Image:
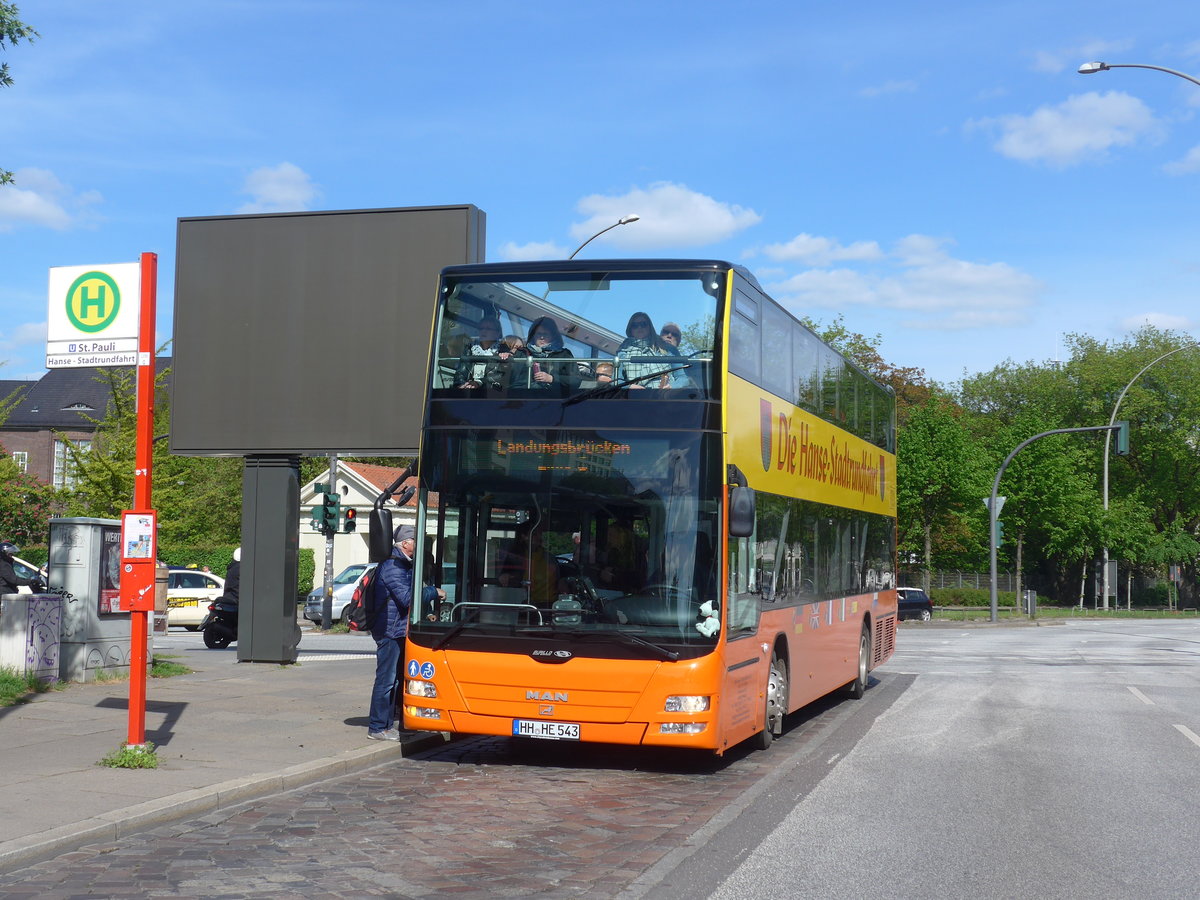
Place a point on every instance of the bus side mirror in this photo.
(741, 512)
(379, 543)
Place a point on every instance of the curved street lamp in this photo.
(1091, 68)
(1108, 442)
(624, 220)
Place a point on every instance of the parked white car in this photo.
(189, 591)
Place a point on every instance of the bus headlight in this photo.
(682, 727)
(415, 688)
(422, 712)
(685, 703)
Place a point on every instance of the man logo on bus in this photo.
(764, 426)
(93, 301)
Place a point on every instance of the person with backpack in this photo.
(391, 593)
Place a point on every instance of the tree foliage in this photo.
(12, 32)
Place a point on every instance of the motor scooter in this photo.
(220, 626)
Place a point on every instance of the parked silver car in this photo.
(343, 589)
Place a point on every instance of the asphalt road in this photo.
(1048, 762)
(985, 762)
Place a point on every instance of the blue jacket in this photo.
(392, 596)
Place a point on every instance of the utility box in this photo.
(1030, 603)
(30, 625)
(85, 569)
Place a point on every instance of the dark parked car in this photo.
(914, 603)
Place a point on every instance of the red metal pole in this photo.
(143, 469)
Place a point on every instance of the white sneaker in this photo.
(390, 735)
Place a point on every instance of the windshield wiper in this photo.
(451, 635)
(625, 637)
(602, 390)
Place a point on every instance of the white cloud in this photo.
(672, 215)
(1082, 127)
(821, 251)
(919, 275)
(29, 334)
(1165, 321)
(1186, 166)
(282, 188)
(889, 87)
(533, 250)
(833, 288)
(36, 197)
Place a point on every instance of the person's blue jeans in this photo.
(389, 657)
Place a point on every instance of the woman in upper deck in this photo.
(635, 357)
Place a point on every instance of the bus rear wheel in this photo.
(858, 686)
(776, 704)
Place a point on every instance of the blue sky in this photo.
(935, 172)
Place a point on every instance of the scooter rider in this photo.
(233, 577)
(9, 580)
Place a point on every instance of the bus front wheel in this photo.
(776, 704)
(858, 686)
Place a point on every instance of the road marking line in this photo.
(1189, 734)
(1140, 696)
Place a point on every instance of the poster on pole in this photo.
(93, 316)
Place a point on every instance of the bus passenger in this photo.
(672, 335)
(631, 362)
(474, 369)
(546, 350)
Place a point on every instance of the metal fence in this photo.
(1005, 581)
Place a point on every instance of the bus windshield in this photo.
(571, 536)
(578, 334)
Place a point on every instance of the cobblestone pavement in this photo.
(490, 817)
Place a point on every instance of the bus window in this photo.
(805, 368)
(777, 350)
(744, 350)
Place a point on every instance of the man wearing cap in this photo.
(390, 602)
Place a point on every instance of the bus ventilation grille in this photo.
(885, 641)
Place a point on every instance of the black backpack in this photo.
(360, 613)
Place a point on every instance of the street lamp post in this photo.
(1091, 68)
(624, 220)
(1107, 443)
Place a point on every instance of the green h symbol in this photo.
(88, 302)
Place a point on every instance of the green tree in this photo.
(198, 500)
(12, 32)
(940, 478)
(26, 505)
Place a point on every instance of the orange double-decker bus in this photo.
(661, 509)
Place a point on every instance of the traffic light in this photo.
(1123, 438)
(999, 532)
(331, 507)
(349, 519)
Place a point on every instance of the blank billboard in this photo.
(308, 333)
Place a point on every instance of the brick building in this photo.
(51, 413)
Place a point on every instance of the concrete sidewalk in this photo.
(225, 734)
